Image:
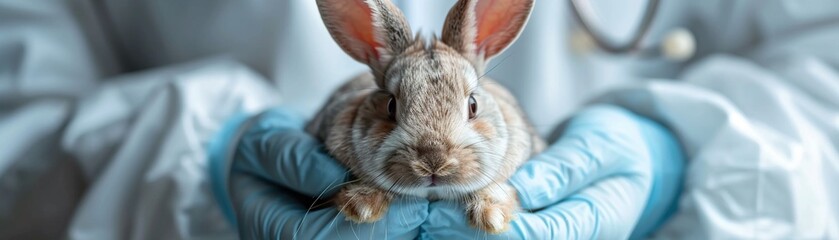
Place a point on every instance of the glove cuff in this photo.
(668, 163)
(221, 151)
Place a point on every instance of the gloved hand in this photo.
(630, 161)
(609, 169)
(276, 169)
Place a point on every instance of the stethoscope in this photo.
(677, 45)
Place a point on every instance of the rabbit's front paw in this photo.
(362, 203)
(491, 209)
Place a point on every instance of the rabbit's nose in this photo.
(421, 169)
(436, 169)
(433, 158)
(447, 167)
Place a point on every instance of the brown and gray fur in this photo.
(431, 133)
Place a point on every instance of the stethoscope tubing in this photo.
(631, 46)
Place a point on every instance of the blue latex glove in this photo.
(609, 169)
(622, 154)
(277, 168)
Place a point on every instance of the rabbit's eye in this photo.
(473, 107)
(391, 108)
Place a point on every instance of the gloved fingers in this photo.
(598, 142)
(265, 211)
(447, 220)
(276, 148)
(606, 210)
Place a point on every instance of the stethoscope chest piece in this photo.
(678, 44)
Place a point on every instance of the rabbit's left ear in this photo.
(481, 29)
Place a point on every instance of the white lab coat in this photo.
(108, 106)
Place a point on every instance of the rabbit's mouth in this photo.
(436, 181)
(437, 191)
(444, 170)
(399, 179)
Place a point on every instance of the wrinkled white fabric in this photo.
(756, 108)
(149, 161)
(763, 150)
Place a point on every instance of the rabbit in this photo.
(425, 121)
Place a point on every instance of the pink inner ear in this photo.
(363, 26)
(486, 18)
(355, 19)
(498, 23)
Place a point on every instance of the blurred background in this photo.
(107, 106)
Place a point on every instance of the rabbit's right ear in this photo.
(482, 29)
(370, 31)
